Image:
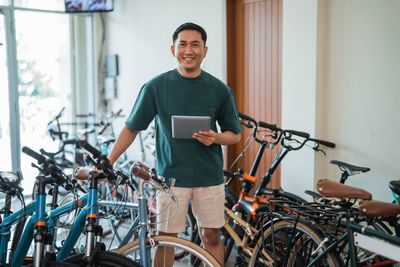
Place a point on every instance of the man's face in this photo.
(189, 50)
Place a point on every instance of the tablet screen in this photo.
(185, 126)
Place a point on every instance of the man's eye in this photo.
(182, 45)
(196, 45)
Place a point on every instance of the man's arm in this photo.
(124, 140)
(210, 137)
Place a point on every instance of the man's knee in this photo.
(210, 236)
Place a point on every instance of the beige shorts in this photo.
(207, 207)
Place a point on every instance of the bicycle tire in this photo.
(17, 234)
(231, 197)
(292, 246)
(202, 256)
(103, 259)
(56, 264)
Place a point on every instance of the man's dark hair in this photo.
(189, 26)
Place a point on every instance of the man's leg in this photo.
(170, 221)
(163, 256)
(212, 243)
(208, 208)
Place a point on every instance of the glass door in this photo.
(5, 144)
(44, 80)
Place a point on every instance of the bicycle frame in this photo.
(26, 239)
(251, 232)
(366, 238)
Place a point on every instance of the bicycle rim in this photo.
(286, 245)
(195, 255)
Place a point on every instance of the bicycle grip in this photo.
(95, 152)
(301, 134)
(142, 166)
(82, 173)
(34, 154)
(272, 127)
(323, 142)
(247, 118)
(137, 171)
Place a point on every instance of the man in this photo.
(197, 163)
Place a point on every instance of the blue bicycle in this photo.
(40, 226)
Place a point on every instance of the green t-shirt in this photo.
(190, 162)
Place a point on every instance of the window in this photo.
(5, 158)
(54, 5)
(44, 78)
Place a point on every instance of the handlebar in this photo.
(48, 167)
(57, 116)
(323, 142)
(272, 127)
(40, 159)
(301, 134)
(247, 118)
(281, 135)
(137, 171)
(94, 151)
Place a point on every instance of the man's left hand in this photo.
(206, 137)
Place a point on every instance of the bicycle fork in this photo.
(42, 236)
(143, 213)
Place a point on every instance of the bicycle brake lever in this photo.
(37, 167)
(319, 150)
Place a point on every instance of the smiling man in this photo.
(196, 163)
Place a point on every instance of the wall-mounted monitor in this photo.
(76, 6)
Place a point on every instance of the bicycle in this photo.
(35, 227)
(245, 214)
(95, 253)
(143, 248)
(284, 241)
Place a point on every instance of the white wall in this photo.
(352, 95)
(140, 32)
(299, 42)
(360, 90)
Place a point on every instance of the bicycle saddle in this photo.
(375, 208)
(395, 186)
(348, 168)
(329, 188)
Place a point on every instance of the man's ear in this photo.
(205, 51)
(173, 50)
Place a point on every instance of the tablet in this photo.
(185, 126)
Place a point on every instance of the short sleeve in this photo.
(143, 110)
(228, 117)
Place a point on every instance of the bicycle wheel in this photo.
(64, 224)
(194, 255)
(231, 199)
(103, 259)
(286, 243)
